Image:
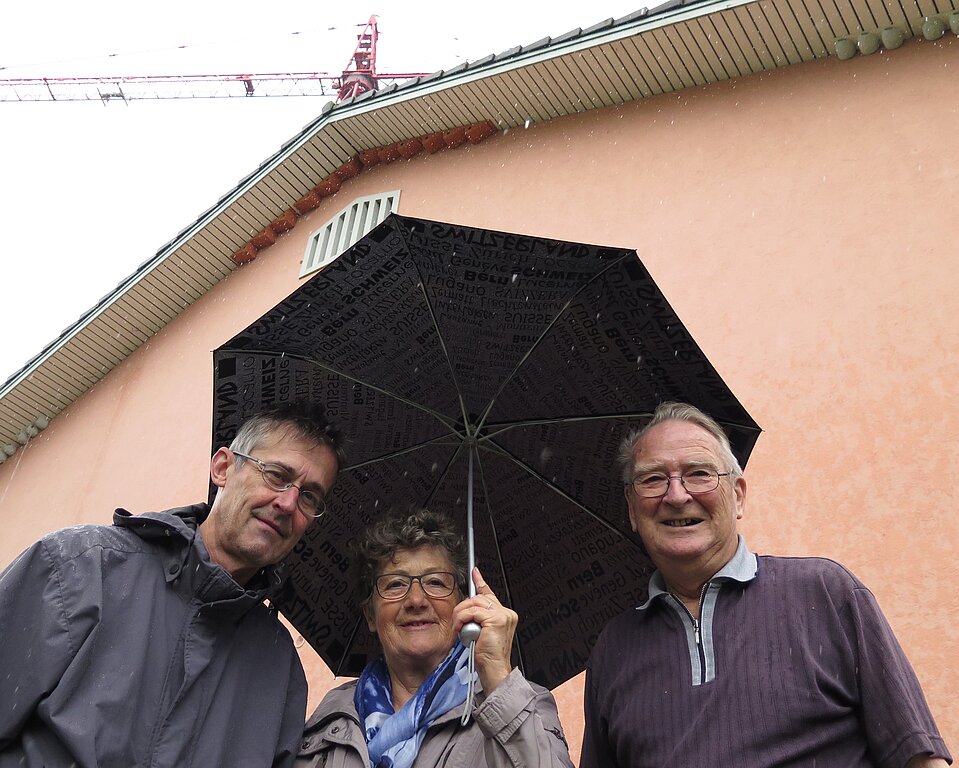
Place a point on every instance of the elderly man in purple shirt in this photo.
(737, 659)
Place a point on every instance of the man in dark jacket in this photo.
(147, 642)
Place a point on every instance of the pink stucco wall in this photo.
(803, 225)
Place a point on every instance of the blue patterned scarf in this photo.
(393, 738)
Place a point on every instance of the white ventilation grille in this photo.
(344, 229)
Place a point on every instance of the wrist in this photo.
(491, 678)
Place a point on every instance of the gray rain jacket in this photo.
(516, 726)
(125, 645)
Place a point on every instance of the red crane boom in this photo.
(359, 76)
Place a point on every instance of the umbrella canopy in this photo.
(427, 341)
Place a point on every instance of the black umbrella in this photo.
(432, 343)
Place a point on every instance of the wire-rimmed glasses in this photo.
(396, 586)
(277, 478)
(651, 485)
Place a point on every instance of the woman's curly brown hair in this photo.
(408, 529)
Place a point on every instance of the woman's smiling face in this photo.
(416, 632)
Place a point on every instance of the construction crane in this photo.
(358, 76)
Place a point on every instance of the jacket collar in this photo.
(335, 721)
(742, 567)
(186, 561)
(337, 702)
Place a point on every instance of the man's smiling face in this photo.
(678, 526)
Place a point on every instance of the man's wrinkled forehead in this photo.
(698, 444)
(286, 433)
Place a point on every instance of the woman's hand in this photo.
(498, 625)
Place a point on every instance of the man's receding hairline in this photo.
(673, 420)
(292, 431)
(717, 449)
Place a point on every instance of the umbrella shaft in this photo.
(470, 549)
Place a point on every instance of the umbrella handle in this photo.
(470, 676)
(469, 633)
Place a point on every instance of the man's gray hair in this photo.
(678, 412)
(304, 419)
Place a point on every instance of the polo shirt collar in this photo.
(742, 567)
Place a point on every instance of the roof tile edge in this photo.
(430, 143)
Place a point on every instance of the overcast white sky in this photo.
(89, 192)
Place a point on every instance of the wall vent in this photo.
(344, 229)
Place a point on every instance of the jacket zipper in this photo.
(696, 633)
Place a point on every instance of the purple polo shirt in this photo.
(791, 664)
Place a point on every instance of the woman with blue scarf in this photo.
(405, 710)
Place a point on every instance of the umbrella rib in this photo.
(446, 470)
(545, 332)
(504, 452)
(443, 419)
(442, 341)
(499, 556)
(504, 426)
(407, 449)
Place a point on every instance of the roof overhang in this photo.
(674, 47)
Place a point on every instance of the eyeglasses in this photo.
(277, 478)
(396, 586)
(654, 484)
